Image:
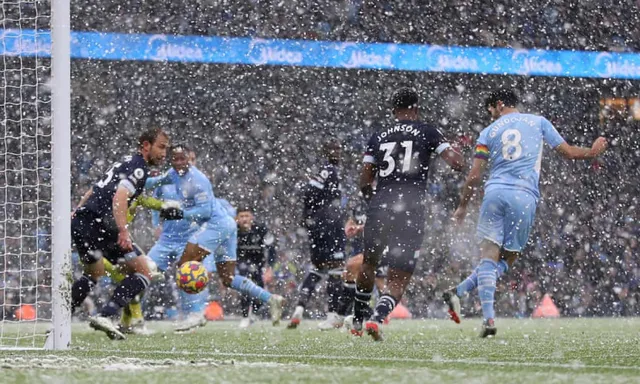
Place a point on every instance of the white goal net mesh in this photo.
(25, 174)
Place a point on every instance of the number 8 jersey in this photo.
(513, 147)
(131, 173)
(401, 155)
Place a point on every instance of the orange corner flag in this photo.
(546, 309)
(400, 312)
(214, 311)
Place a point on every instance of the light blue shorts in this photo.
(506, 218)
(164, 254)
(220, 239)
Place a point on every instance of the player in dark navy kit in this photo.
(255, 246)
(324, 220)
(399, 156)
(99, 229)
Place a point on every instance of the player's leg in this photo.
(519, 212)
(335, 242)
(491, 229)
(352, 268)
(137, 280)
(335, 290)
(225, 238)
(193, 306)
(313, 277)
(244, 269)
(132, 318)
(375, 241)
(405, 239)
(251, 306)
(85, 240)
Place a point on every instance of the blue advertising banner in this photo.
(384, 56)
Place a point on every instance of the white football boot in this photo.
(193, 321)
(333, 321)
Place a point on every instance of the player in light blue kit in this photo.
(512, 147)
(217, 234)
(188, 187)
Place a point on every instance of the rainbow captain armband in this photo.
(482, 152)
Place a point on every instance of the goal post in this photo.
(60, 336)
(35, 175)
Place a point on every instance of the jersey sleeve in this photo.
(370, 151)
(437, 141)
(550, 134)
(482, 147)
(203, 198)
(133, 176)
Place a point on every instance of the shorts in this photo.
(95, 238)
(506, 218)
(220, 239)
(327, 243)
(164, 254)
(399, 234)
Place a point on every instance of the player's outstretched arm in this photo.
(572, 152)
(453, 158)
(471, 184)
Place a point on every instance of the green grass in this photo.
(535, 351)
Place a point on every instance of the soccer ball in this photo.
(192, 277)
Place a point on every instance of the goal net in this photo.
(31, 273)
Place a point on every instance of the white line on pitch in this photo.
(435, 360)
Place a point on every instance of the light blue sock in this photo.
(471, 282)
(487, 277)
(248, 287)
(193, 303)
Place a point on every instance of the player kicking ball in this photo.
(399, 156)
(218, 236)
(512, 149)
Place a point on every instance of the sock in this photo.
(385, 305)
(136, 311)
(361, 307)
(245, 304)
(132, 312)
(125, 318)
(80, 290)
(487, 276)
(248, 287)
(471, 282)
(129, 288)
(195, 303)
(348, 294)
(308, 286)
(334, 291)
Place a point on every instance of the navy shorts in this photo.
(327, 243)
(95, 238)
(396, 235)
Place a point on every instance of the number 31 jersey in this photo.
(513, 147)
(401, 155)
(131, 173)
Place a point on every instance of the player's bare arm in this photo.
(471, 184)
(367, 177)
(572, 152)
(120, 207)
(453, 158)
